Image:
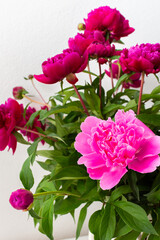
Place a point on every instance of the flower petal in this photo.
(89, 123)
(111, 177)
(81, 143)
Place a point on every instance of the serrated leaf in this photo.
(134, 216)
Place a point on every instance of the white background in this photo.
(30, 32)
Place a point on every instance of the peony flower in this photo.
(141, 58)
(102, 51)
(108, 20)
(109, 148)
(21, 199)
(60, 66)
(36, 124)
(10, 117)
(134, 80)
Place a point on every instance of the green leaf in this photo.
(130, 236)
(81, 219)
(32, 117)
(34, 214)
(122, 229)
(134, 216)
(123, 78)
(91, 73)
(156, 90)
(108, 223)
(132, 179)
(47, 217)
(93, 101)
(152, 119)
(111, 107)
(26, 175)
(32, 150)
(71, 172)
(130, 105)
(67, 205)
(118, 192)
(20, 138)
(156, 226)
(94, 223)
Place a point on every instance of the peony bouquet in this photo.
(100, 143)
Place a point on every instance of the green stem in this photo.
(140, 93)
(90, 77)
(59, 193)
(37, 133)
(32, 100)
(111, 73)
(38, 92)
(81, 100)
(100, 84)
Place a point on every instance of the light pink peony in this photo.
(108, 20)
(10, 117)
(60, 66)
(109, 147)
(141, 58)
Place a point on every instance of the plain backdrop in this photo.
(30, 32)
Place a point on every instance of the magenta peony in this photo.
(141, 58)
(108, 20)
(31, 136)
(134, 80)
(10, 117)
(109, 147)
(21, 199)
(60, 66)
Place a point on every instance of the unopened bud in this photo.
(21, 199)
(81, 26)
(18, 92)
(71, 78)
(30, 76)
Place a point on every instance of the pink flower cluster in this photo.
(93, 43)
(141, 58)
(109, 147)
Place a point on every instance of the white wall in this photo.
(30, 32)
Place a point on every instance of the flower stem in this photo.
(37, 133)
(38, 91)
(81, 100)
(140, 93)
(59, 193)
(90, 77)
(111, 73)
(100, 84)
(32, 100)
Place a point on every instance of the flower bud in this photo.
(21, 199)
(81, 26)
(18, 92)
(71, 78)
(30, 76)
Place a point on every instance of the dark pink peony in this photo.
(21, 199)
(141, 58)
(108, 20)
(60, 66)
(134, 80)
(109, 147)
(36, 124)
(10, 117)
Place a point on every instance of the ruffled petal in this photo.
(89, 123)
(92, 160)
(4, 138)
